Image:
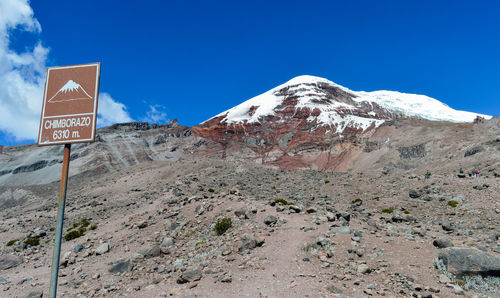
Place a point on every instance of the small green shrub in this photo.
(73, 234)
(82, 230)
(223, 225)
(387, 210)
(453, 204)
(85, 223)
(52, 229)
(357, 200)
(211, 190)
(32, 241)
(200, 243)
(93, 227)
(11, 242)
(406, 212)
(283, 201)
(327, 181)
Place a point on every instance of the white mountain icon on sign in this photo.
(70, 91)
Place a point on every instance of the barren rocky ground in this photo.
(150, 232)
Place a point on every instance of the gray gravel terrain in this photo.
(293, 233)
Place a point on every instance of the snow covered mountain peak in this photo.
(337, 106)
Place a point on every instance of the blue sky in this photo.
(191, 60)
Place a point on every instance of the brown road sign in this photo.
(69, 104)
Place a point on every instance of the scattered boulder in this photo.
(167, 242)
(120, 266)
(344, 215)
(363, 269)
(78, 248)
(9, 261)
(242, 213)
(397, 218)
(189, 276)
(446, 225)
(111, 282)
(330, 216)
(142, 224)
(102, 249)
(270, 220)
(38, 233)
(200, 209)
(311, 209)
(417, 193)
(341, 230)
(473, 151)
(248, 243)
(442, 243)
(460, 261)
(35, 294)
(151, 252)
(170, 225)
(481, 187)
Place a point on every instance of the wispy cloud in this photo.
(111, 111)
(22, 78)
(156, 114)
(21, 74)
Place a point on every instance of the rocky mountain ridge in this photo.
(397, 145)
(116, 147)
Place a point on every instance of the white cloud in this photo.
(21, 74)
(17, 13)
(156, 114)
(111, 111)
(22, 78)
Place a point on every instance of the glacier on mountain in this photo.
(310, 95)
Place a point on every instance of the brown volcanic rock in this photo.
(295, 136)
(313, 123)
(310, 122)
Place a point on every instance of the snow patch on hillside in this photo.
(416, 105)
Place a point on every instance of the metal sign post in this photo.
(69, 114)
(60, 219)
